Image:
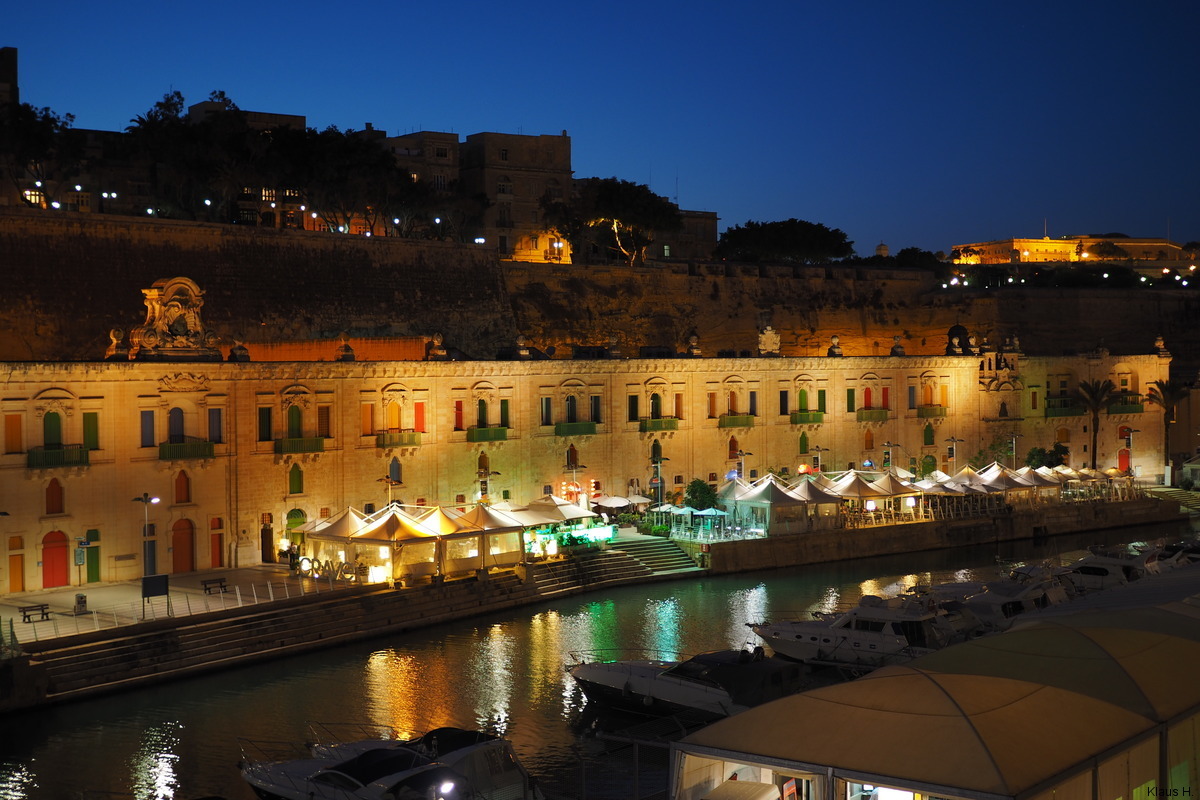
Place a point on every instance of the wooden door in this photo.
(55, 560)
(183, 547)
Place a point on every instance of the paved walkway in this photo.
(110, 605)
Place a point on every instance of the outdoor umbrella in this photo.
(638, 499)
(853, 485)
(608, 501)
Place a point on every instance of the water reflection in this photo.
(746, 606)
(152, 767)
(661, 627)
(17, 781)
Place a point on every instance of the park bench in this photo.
(27, 612)
(214, 585)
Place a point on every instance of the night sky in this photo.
(923, 124)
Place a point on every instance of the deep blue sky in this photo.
(923, 124)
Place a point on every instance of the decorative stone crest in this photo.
(55, 404)
(768, 342)
(173, 330)
(835, 349)
(183, 382)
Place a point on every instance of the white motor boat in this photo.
(876, 632)
(443, 764)
(1106, 567)
(714, 684)
(1028, 588)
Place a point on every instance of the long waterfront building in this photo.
(238, 451)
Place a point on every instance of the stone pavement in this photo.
(110, 605)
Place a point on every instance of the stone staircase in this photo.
(658, 554)
(1188, 500)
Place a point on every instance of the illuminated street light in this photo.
(1014, 436)
(741, 454)
(389, 481)
(816, 448)
(952, 441)
(146, 500)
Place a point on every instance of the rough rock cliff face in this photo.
(69, 279)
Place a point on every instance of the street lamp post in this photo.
(1014, 436)
(888, 457)
(952, 441)
(656, 478)
(146, 500)
(741, 455)
(1129, 447)
(816, 448)
(389, 481)
(483, 475)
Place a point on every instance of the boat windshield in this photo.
(370, 766)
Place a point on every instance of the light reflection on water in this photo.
(502, 671)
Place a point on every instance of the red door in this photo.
(1123, 459)
(55, 552)
(216, 555)
(183, 547)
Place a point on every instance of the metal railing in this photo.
(306, 444)
(63, 455)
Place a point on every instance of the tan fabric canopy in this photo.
(977, 733)
(490, 519)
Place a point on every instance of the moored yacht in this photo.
(714, 684)
(876, 632)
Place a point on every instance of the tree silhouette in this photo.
(1167, 395)
(1094, 396)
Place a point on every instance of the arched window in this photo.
(393, 416)
(183, 488)
(175, 426)
(394, 471)
(54, 497)
(804, 444)
(733, 447)
(927, 394)
(572, 458)
(483, 463)
(572, 408)
(927, 438)
(295, 422)
(655, 406)
(295, 480)
(52, 430)
(656, 451)
(803, 401)
(481, 415)
(869, 440)
(1003, 409)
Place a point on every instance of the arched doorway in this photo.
(295, 518)
(183, 546)
(55, 552)
(928, 464)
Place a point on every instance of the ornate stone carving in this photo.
(56, 404)
(768, 341)
(173, 330)
(183, 382)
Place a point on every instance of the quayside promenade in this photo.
(124, 641)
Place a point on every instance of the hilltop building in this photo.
(1069, 249)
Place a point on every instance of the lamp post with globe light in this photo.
(147, 551)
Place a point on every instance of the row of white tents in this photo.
(404, 542)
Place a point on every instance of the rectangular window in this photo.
(712, 405)
(419, 417)
(633, 415)
(945, 395)
(1033, 401)
(849, 401)
(323, 429)
(783, 402)
(91, 430)
(216, 426)
(546, 411)
(666, 251)
(753, 403)
(265, 428)
(366, 419)
(594, 410)
(886, 401)
(912, 397)
(504, 413)
(679, 405)
(821, 400)
(147, 429)
(12, 433)
(458, 415)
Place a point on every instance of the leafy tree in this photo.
(699, 495)
(1108, 250)
(916, 258)
(790, 241)
(623, 216)
(1094, 396)
(37, 144)
(1041, 457)
(1167, 395)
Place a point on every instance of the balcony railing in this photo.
(398, 439)
(1126, 404)
(872, 414)
(927, 412)
(307, 444)
(574, 428)
(488, 434)
(63, 455)
(807, 417)
(1064, 407)
(647, 425)
(191, 448)
(735, 421)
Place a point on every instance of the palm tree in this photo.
(1168, 395)
(1094, 396)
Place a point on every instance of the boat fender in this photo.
(626, 690)
(647, 701)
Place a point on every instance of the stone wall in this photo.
(69, 278)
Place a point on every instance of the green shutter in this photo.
(91, 430)
(849, 400)
(264, 424)
(820, 401)
(504, 413)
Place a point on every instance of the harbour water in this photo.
(504, 672)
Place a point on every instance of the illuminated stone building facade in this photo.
(1066, 249)
(239, 449)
